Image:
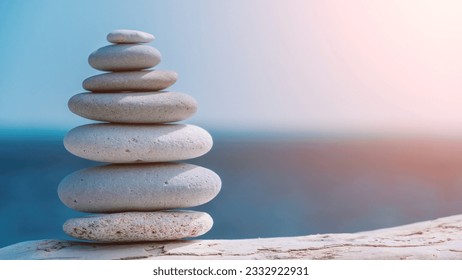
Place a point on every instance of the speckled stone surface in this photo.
(438, 239)
(146, 107)
(140, 187)
(139, 226)
(119, 143)
(138, 196)
(125, 57)
(124, 36)
(131, 81)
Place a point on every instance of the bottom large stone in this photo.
(139, 226)
(437, 239)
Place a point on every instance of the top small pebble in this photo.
(126, 36)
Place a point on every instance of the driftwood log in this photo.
(436, 239)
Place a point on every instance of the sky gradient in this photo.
(310, 66)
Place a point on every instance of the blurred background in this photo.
(327, 116)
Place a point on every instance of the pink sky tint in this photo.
(369, 65)
(308, 65)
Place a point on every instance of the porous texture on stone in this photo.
(139, 226)
(146, 107)
(140, 187)
(430, 240)
(124, 143)
(126, 57)
(145, 80)
(127, 36)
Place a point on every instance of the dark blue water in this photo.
(270, 188)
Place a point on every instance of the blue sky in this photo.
(377, 66)
(45, 48)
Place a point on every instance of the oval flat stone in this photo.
(139, 226)
(126, 57)
(131, 81)
(125, 143)
(138, 187)
(149, 107)
(127, 36)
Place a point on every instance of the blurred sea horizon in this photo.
(355, 107)
(274, 184)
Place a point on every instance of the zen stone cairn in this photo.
(136, 197)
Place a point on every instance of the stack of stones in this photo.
(135, 196)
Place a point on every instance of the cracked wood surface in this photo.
(436, 239)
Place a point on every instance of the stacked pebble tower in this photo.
(135, 197)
